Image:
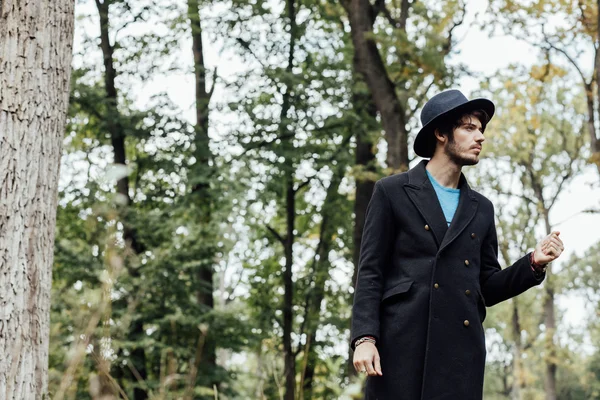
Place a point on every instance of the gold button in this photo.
(473, 235)
(466, 323)
(436, 286)
(467, 292)
(467, 263)
(426, 227)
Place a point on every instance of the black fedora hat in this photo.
(441, 106)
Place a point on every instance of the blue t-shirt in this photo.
(447, 197)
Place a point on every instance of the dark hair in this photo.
(449, 124)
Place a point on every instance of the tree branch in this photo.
(448, 45)
(276, 234)
(568, 57)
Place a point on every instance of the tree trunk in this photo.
(517, 383)
(550, 324)
(290, 215)
(370, 65)
(117, 135)
(35, 68)
(320, 272)
(200, 175)
(365, 160)
(549, 311)
(594, 142)
(550, 347)
(549, 319)
(290, 357)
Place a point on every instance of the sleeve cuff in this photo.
(353, 343)
(539, 270)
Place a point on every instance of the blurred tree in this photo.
(536, 145)
(294, 140)
(401, 56)
(583, 277)
(202, 172)
(36, 52)
(569, 29)
(156, 334)
(114, 124)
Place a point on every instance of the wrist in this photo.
(364, 339)
(537, 267)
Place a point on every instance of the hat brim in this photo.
(424, 145)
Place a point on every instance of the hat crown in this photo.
(442, 103)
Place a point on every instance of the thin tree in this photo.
(201, 173)
(117, 134)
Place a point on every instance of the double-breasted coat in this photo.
(423, 287)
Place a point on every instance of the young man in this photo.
(429, 266)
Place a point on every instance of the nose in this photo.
(479, 138)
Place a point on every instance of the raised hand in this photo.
(548, 249)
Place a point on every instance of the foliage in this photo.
(282, 175)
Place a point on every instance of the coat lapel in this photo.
(466, 210)
(422, 194)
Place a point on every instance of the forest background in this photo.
(217, 164)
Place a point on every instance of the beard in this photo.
(453, 151)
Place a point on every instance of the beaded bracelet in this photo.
(364, 339)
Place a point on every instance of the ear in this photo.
(439, 137)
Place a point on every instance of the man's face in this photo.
(464, 146)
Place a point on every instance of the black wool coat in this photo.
(423, 287)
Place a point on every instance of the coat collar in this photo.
(421, 192)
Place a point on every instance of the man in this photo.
(429, 266)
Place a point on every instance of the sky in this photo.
(483, 54)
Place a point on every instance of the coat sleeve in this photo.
(499, 284)
(374, 253)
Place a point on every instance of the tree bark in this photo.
(35, 68)
(117, 135)
(370, 65)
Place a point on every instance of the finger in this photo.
(359, 366)
(557, 244)
(378, 366)
(362, 367)
(553, 251)
(370, 369)
(552, 244)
